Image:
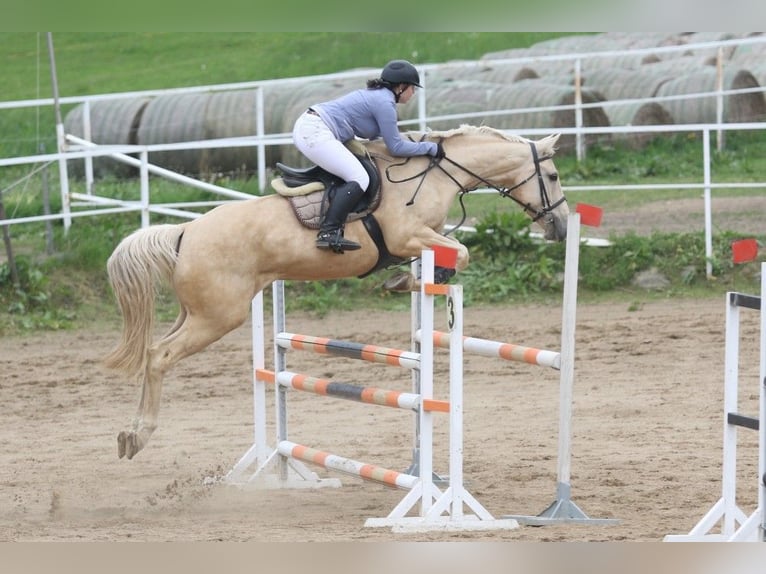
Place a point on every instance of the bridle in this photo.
(536, 214)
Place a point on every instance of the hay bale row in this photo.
(638, 114)
(111, 122)
(471, 97)
(452, 90)
(482, 72)
(621, 84)
(748, 107)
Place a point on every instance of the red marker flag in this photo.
(589, 214)
(744, 250)
(445, 256)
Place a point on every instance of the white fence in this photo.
(90, 204)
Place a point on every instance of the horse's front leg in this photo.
(405, 282)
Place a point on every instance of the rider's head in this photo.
(400, 72)
(400, 77)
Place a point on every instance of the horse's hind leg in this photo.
(191, 336)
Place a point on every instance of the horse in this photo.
(217, 263)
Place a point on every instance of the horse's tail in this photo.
(138, 267)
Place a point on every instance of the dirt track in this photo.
(646, 448)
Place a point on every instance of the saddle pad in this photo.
(308, 208)
(282, 189)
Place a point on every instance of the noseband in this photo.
(547, 206)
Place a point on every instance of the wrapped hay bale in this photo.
(745, 50)
(638, 114)
(625, 61)
(523, 94)
(681, 64)
(229, 115)
(621, 84)
(463, 97)
(711, 53)
(638, 40)
(483, 72)
(112, 122)
(540, 66)
(746, 107)
(593, 43)
(176, 118)
(758, 69)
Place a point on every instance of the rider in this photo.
(321, 131)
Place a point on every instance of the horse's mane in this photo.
(545, 146)
(466, 129)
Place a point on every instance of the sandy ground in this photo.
(647, 431)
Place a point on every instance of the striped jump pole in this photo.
(348, 466)
(506, 351)
(369, 395)
(349, 349)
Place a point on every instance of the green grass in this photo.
(94, 63)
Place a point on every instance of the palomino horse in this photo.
(217, 263)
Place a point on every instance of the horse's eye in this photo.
(554, 177)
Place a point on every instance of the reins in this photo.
(537, 214)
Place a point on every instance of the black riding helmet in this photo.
(400, 72)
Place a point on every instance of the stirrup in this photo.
(335, 241)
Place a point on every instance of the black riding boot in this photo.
(330, 234)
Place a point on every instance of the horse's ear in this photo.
(548, 144)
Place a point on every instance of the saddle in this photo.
(310, 190)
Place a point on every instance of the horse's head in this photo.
(516, 167)
(537, 187)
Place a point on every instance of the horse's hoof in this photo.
(401, 283)
(127, 445)
(121, 438)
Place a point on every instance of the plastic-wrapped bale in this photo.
(639, 40)
(593, 44)
(536, 93)
(752, 60)
(744, 107)
(540, 65)
(712, 52)
(460, 97)
(744, 50)
(176, 118)
(637, 114)
(112, 122)
(484, 72)
(230, 115)
(754, 64)
(621, 84)
(523, 94)
(626, 61)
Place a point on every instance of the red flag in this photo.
(445, 256)
(744, 250)
(589, 214)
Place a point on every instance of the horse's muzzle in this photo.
(555, 227)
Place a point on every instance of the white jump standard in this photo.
(726, 521)
(453, 508)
